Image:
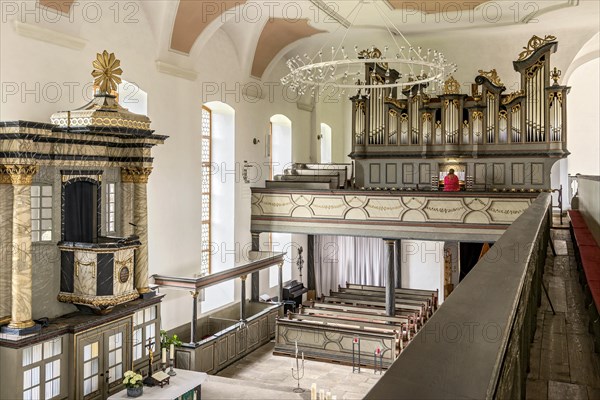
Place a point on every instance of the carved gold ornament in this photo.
(492, 76)
(513, 96)
(135, 175)
(555, 75)
(535, 43)
(17, 174)
(451, 86)
(106, 72)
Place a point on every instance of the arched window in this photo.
(280, 159)
(325, 139)
(218, 200)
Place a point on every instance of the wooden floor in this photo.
(563, 364)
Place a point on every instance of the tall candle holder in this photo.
(298, 373)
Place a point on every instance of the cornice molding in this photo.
(174, 70)
(49, 36)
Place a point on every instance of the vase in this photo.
(135, 392)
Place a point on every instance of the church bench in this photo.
(362, 316)
(587, 254)
(334, 343)
(407, 297)
(433, 293)
(409, 314)
(418, 309)
(356, 323)
(339, 174)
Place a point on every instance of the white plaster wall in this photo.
(584, 120)
(423, 265)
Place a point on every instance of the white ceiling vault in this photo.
(266, 32)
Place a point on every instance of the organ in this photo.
(495, 134)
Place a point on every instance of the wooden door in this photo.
(103, 356)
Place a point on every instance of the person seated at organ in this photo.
(451, 183)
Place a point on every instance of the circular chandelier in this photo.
(404, 67)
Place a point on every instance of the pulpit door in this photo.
(102, 359)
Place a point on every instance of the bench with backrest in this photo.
(367, 294)
(416, 308)
(587, 254)
(432, 293)
(334, 342)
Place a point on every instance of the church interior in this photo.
(299, 199)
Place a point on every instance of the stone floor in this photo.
(261, 375)
(563, 364)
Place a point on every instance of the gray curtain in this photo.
(341, 259)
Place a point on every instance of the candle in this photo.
(292, 363)
(302, 356)
(313, 391)
(322, 394)
(172, 350)
(328, 396)
(334, 397)
(296, 343)
(164, 355)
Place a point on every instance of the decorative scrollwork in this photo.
(509, 98)
(535, 43)
(492, 76)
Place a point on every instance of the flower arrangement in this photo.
(132, 380)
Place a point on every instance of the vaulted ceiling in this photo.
(265, 31)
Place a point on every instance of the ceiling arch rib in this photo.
(62, 6)
(276, 35)
(193, 17)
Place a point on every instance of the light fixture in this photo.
(405, 66)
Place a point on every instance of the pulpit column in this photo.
(139, 178)
(390, 292)
(243, 298)
(21, 177)
(6, 195)
(255, 288)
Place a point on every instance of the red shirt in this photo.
(451, 183)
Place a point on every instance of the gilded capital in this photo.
(17, 174)
(135, 174)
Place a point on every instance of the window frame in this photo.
(40, 210)
(205, 245)
(41, 364)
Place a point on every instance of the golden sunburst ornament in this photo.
(106, 72)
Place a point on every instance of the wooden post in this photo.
(390, 292)
(194, 316)
(243, 298)
(255, 282)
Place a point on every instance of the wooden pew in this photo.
(406, 323)
(423, 300)
(433, 293)
(334, 343)
(339, 174)
(357, 323)
(368, 304)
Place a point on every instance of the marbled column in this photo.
(21, 314)
(390, 292)
(139, 178)
(6, 196)
(255, 288)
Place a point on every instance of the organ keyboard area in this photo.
(415, 120)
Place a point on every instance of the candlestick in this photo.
(172, 352)
(313, 391)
